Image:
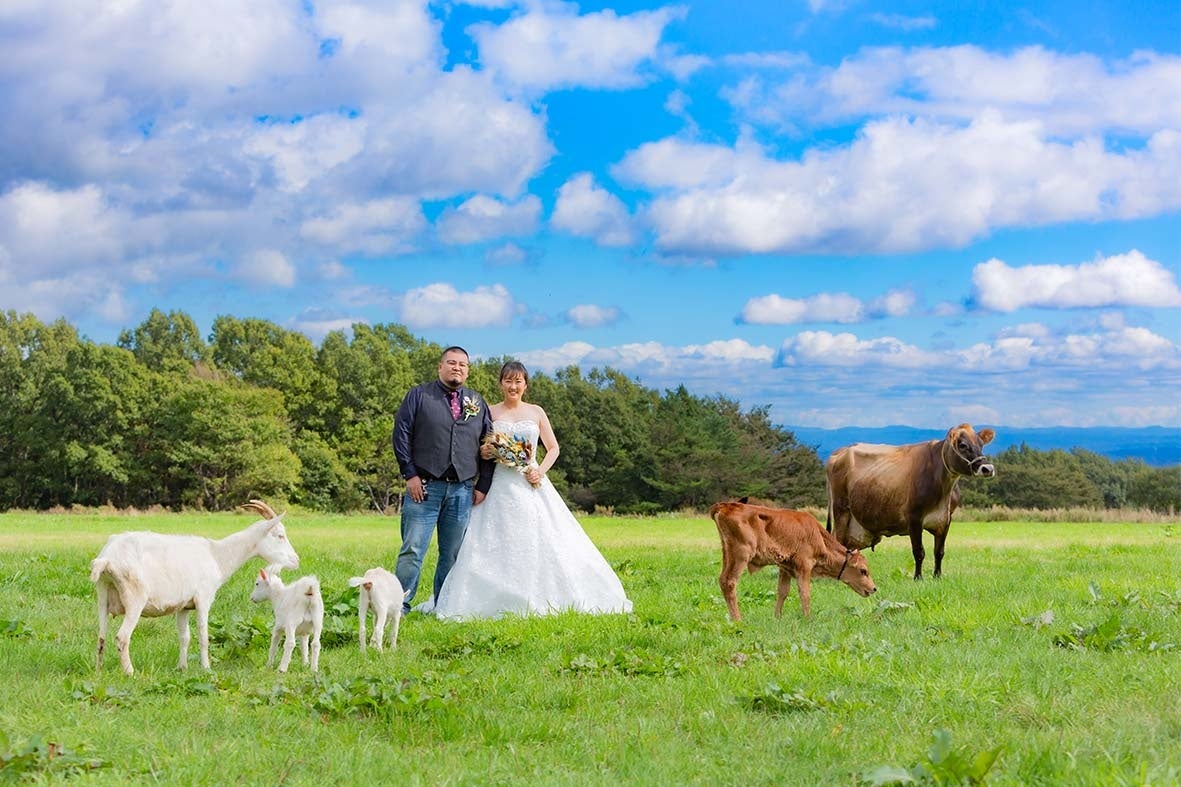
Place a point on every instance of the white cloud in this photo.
(508, 254)
(589, 315)
(376, 227)
(267, 267)
(440, 305)
(552, 47)
(585, 209)
(901, 185)
(1066, 94)
(1121, 280)
(825, 307)
(483, 218)
(55, 231)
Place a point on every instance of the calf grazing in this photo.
(381, 590)
(151, 575)
(756, 536)
(886, 490)
(299, 612)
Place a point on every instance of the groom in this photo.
(437, 436)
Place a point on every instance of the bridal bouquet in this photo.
(512, 450)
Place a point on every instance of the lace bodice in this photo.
(526, 429)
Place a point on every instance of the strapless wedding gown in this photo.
(526, 554)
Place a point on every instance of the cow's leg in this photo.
(916, 547)
(784, 589)
(804, 580)
(728, 580)
(940, 540)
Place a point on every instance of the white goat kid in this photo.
(152, 575)
(381, 590)
(299, 612)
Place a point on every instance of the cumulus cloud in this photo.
(837, 307)
(589, 315)
(900, 185)
(483, 218)
(267, 267)
(589, 211)
(552, 46)
(1066, 94)
(375, 227)
(441, 305)
(1121, 280)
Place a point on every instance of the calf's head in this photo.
(963, 451)
(855, 573)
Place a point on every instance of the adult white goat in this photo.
(381, 590)
(299, 612)
(151, 575)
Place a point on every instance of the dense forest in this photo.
(166, 417)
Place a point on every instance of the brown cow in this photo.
(756, 536)
(885, 490)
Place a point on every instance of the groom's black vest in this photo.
(442, 442)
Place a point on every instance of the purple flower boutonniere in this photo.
(471, 406)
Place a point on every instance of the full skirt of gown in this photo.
(526, 554)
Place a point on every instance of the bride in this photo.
(524, 552)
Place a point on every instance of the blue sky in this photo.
(855, 213)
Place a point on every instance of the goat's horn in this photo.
(260, 507)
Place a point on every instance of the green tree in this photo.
(1028, 478)
(166, 342)
(1157, 489)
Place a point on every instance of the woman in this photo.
(524, 552)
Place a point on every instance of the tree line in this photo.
(166, 417)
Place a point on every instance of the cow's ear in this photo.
(986, 436)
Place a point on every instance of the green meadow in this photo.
(1047, 654)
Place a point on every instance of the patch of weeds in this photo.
(1040, 621)
(1110, 635)
(234, 637)
(13, 579)
(376, 696)
(943, 764)
(777, 700)
(885, 607)
(15, 629)
(466, 644)
(628, 662)
(201, 685)
(340, 619)
(758, 652)
(85, 691)
(277, 695)
(35, 758)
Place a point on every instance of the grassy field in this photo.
(1053, 647)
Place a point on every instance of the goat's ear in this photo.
(354, 581)
(262, 572)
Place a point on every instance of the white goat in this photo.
(152, 575)
(299, 612)
(381, 590)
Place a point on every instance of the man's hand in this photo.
(487, 451)
(477, 497)
(415, 489)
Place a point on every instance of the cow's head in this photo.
(855, 573)
(963, 451)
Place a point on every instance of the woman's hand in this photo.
(487, 451)
(534, 475)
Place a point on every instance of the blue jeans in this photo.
(447, 506)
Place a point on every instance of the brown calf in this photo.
(756, 536)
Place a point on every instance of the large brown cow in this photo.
(756, 536)
(886, 490)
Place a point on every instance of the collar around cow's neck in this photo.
(848, 552)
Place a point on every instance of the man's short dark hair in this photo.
(455, 348)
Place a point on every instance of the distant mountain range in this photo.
(1155, 445)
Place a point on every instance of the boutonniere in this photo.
(471, 406)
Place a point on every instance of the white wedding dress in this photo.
(526, 554)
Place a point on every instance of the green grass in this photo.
(1054, 644)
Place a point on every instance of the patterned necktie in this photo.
(453, 396)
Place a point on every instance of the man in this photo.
(437, 436)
